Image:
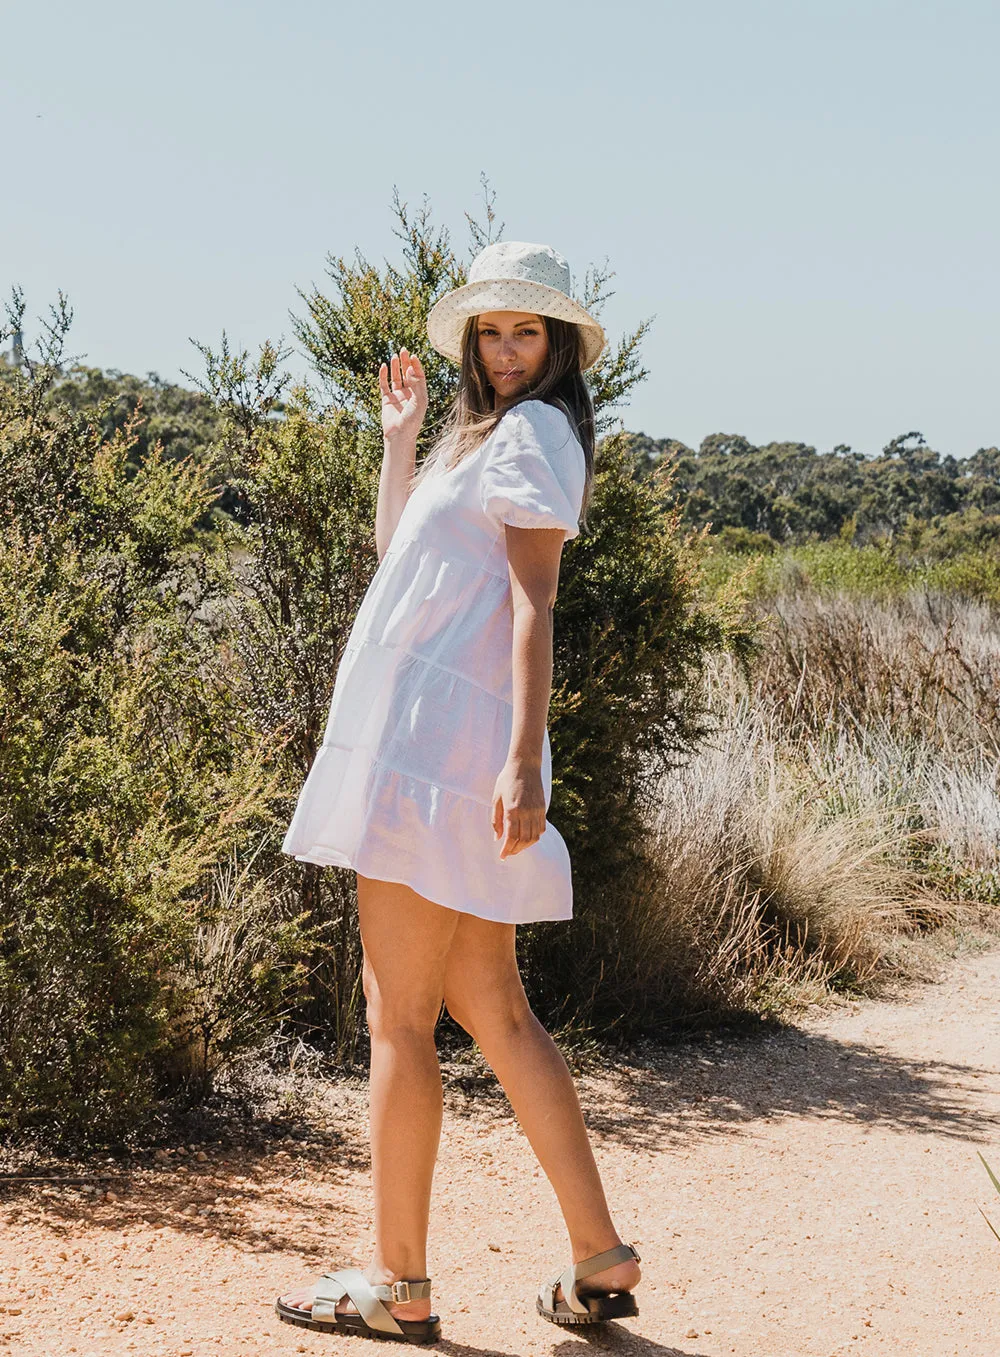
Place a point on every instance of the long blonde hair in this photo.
(471, 417)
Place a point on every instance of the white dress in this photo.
(421, 716)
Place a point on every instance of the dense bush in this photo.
(128, 769)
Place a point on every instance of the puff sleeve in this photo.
(534, 472)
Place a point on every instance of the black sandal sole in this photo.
(620, 1306)
(414, 1330)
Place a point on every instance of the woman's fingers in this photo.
(400, 381)
(523, 828)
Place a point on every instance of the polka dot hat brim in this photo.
(512, 276)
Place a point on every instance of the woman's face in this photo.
(514, 348)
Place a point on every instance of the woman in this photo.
(436, 751)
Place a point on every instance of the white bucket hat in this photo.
(512, 275)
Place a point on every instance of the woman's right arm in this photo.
(404, 404)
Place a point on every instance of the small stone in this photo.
(494, 1248)
(201, 1157)
(162, 1157)
(691, 1333)
(123, 1316)
(110, 1196)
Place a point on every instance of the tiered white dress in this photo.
(420, 721)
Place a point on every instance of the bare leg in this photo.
(483, 992)
(406, 940)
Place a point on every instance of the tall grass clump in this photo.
(845, 803)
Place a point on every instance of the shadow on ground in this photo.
(667, 1096)
(616, 1338)
(278, 1194)
(605, 1338)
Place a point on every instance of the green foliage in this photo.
(878, 570)
(149, 413)
(128, 768)
(166, 670)
(236, 970)
(296, 566)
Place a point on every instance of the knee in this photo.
(492, 1017)
(401, 1017)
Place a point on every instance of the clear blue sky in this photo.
(803, 193)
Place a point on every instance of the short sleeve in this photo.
(534, 472)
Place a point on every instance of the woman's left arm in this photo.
(533, 557)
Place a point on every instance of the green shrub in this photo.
(128, 769)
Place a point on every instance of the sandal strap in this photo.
(352, 1283)
(576, 1272)
(403, 1291)
(621, 1253)
(567, 1280)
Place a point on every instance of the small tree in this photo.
(631, 634)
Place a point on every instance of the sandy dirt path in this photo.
(809, 1192)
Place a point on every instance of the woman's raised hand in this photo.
(404, 396)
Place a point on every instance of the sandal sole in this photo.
(353, 1326)
(622, 1306)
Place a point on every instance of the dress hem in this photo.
(340, 861)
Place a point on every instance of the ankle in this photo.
(590, 1246)
(382, 1275)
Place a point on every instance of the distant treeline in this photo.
(791, 493)
(778, 493)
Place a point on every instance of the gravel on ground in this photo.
(810, 1192)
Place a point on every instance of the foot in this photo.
(622, 1277)
(302, 1299)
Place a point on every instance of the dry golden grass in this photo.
(847, 801)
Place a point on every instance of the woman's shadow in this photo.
(599, 1337)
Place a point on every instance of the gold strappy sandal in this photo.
(373, 1319)
(592, 1308)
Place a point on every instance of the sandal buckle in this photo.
(401, 1291)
